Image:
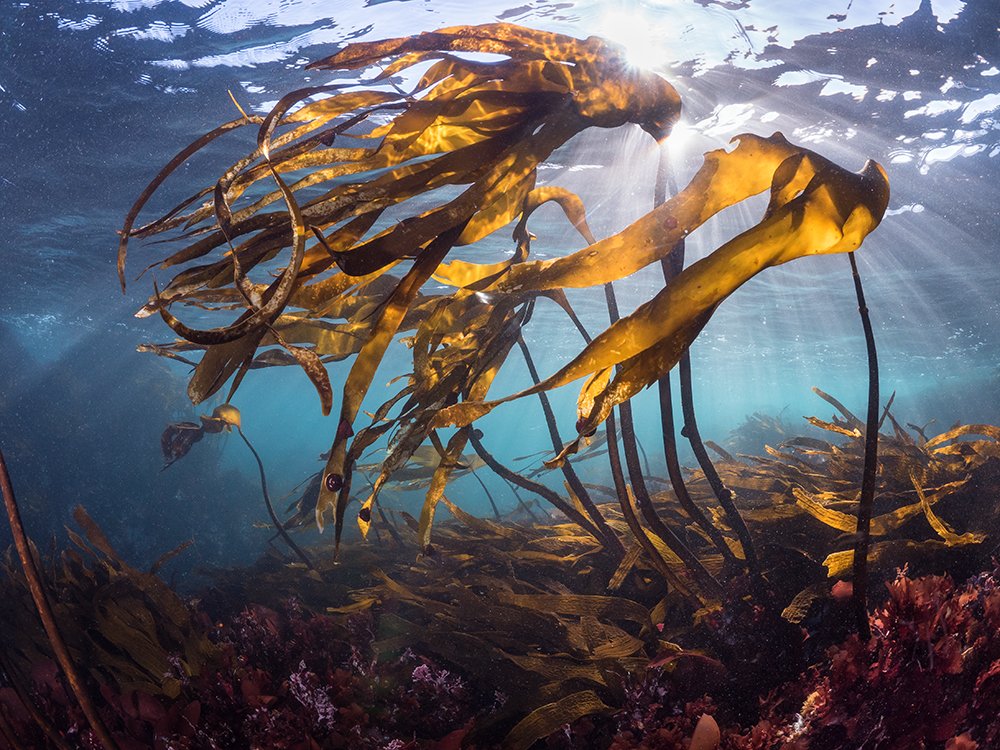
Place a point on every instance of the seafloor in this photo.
(830, 590)
(524, 632)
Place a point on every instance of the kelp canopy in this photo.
(337, 165)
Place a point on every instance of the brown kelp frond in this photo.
(479, 128)
(485, 126)
(831, 211)
(324, 243)
(916, 488)
(178, 437)
(128, 628)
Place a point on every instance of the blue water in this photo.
(96, 95)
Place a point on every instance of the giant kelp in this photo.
(384, 181)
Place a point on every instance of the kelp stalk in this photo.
(489, 495)
(609, 538)
(618, 477)
(539, 489)
(37, 589)
(643, 500)
(722, 492)
(677, 478)
(270, 509)
(671, 266)
(867, 500)
(621, 490)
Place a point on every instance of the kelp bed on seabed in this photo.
(525, 630)
(726, 611)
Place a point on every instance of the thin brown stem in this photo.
(670, 266)
(270, 509)
(866, 502)
(624, 501)
(37, 589)
(676, 476)
(489, 495)
(643, 500)
(722, 492)
(611, 539)
(520, 501)
(539, 489)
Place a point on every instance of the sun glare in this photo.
(637, 34)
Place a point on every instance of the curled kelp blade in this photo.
(482, 125)
(816, 207)
(170, 167)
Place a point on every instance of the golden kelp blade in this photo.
(335, 492)
(463, 274)
(726, 177)
(816, 207)
(482, 125)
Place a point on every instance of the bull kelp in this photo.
(641, 611)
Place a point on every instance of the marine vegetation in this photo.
(518, 633)
(457, 160)
(610, 614)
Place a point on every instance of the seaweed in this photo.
(466, 141)
(527, 632)
(330, 241)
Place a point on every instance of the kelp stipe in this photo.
(40, 598)
(866, 498)
(178, 438)
(480, 129)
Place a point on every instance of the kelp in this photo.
(125, 627)
(866, 497)
(816, 207)
(537, 606)
(916, 488)
(40, 598)
(178, 438)
(455, 161)
(537, 610)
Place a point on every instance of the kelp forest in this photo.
(796, 599)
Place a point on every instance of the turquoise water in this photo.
(96, 96)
